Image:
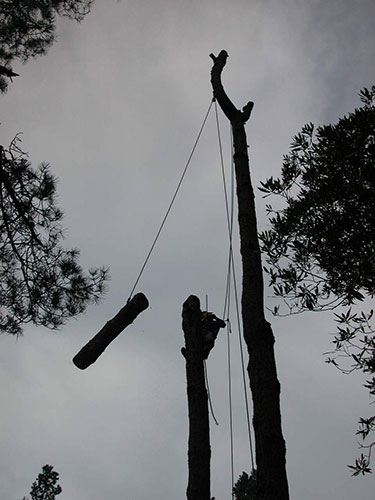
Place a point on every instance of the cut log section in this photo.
(94, 348)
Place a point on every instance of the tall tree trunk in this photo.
(265, 387)
(199, 450)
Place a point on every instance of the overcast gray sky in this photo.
(115, 107)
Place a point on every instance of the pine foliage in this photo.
(40, 281)
(45, 487)
(27, 28)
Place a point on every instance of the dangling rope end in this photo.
(208, 392)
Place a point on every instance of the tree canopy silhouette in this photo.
(320, 249)
(27, 29)
(245, 487)
(45, 487)
(321, 246)
(40, 281)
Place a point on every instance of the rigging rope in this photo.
(206, 381)
(230, 275)
(231, 272)
(227, 299)
(240, 337)
(229, 330)
(172, 201)
(208, 392)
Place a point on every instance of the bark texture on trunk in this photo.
(199, 450)
(265, 387)
(94, 348)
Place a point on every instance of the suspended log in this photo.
(94, 348)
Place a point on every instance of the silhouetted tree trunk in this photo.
(265, 387)
(199, 451)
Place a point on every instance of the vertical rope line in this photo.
(223, 174)
(229, 217)
(243, 369)
(226, 314)
(231, 265)
(230, 407)
(172, 201)
(206, 381)
(227, 287)
(227, 305)
(245, 387)
(208, 392)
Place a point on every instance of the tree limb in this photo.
(97, 345)
(229, 109)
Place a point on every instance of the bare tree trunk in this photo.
(265, 387)
(199, 450)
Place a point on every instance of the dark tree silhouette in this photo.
(265, 388)
(45, 487)
(245, 487)
(40, 282)
(27, 28)
(97, 345)
(200, 331)
(320, 249)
